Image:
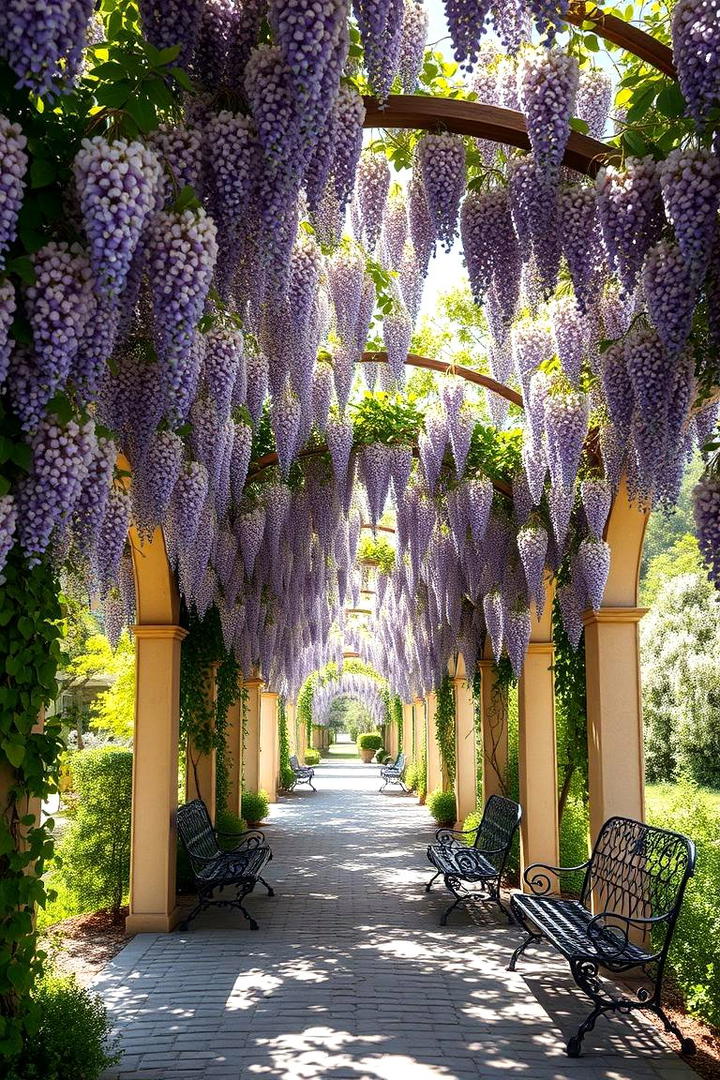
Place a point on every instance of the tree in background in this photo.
(680, 645)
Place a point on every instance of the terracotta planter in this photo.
(367, 755)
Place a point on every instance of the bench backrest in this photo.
(400, 762)
(639, 871)
(294, 764)
(500, 821)
(196, 832)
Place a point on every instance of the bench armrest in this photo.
(538, 875)
(612, 938)
(443, 835)
(251, 838)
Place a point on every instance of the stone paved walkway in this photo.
(350, 975)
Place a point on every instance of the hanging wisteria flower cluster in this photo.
(188, 343)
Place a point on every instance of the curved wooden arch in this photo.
(410, 111)
(630, 38)
(471, 376)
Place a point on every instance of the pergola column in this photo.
(537, 752)
(153, 844)
(612, 674)
(614, 714)
(407, 720)
(434, 761)
(494, 723)
(268, 750)
(420, 741)
(234, 752)
(201, 766)
(391, 738)
(465, 753)
(251, 779)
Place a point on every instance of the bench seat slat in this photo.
(565, 925)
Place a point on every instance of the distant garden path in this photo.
(350, 974)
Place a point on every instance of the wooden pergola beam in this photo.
(506, 126)
(628, 37)
(471, 376)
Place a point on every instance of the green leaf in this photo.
(23, 267)
(670, 101)
(14, 752)
(166, 56)
(159, 94)
(26, 627)
(111, 70)
(143, 113)
(42, 173)
(591, 43)
(114, 95)
(579, 125)
(635, 143)
(181, 77)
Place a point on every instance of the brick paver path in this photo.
(350, 975)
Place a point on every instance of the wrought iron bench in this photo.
(634, 880)
(473, 871)
(303, 773)
(215, 868)
(393, 774)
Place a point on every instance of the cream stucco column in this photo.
(537, 753)
(267, 756)
(419, 742)
(251, 754)
(201, 766)
(494, 722)
(614, 714)
(155, 779)
(434, 762)
(465, 752)
(407, 720)
(391, 740)
(234, 753)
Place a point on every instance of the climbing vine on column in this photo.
(445, 728)
(30, 629)
(202, 720)
(569, 672)
(286, 773)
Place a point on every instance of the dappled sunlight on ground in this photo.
(350, 975)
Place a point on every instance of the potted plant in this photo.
(254, 807)
(368, 744)
(311, 756)
(441, 805)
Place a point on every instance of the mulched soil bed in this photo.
(83, 945)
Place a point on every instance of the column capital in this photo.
(164, 630)
(270, 694)
(614, 615)
(541, 648)
(486, 663)
(253, 682)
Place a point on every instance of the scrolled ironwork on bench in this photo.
(215, 868)
(634, 881)
(393, 774)
(473, 870)
(303, 774)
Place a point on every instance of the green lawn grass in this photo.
(659, 794)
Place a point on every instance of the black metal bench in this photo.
(215, 868)
(634, 881)
(303, 773)
(393, 774)
(473, 871)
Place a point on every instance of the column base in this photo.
(152, 922)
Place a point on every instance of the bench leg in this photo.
(687, 1046)
(240, 896)
(201, 905)
(574, 1045)
(428, 886)
(270, 890)
(529, 939)
(444, 916)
